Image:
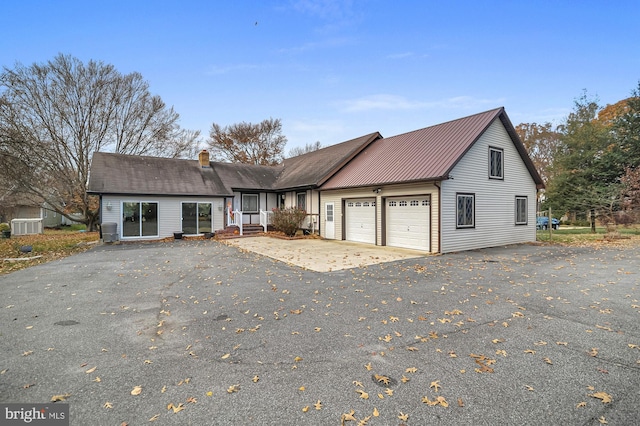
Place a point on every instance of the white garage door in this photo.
(360, 221)
(408, 222)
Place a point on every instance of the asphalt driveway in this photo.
(200, 333)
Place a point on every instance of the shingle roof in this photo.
(240, 176)
(134, 174)
(315, 167)
(423, 155)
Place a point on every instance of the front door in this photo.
(329, 224)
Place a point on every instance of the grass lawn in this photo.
(53, 244)
(583, 235)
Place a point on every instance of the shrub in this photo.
(288, 220)
(4, 227)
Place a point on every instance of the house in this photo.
(460, 185)
(14, 205)
(152, 198)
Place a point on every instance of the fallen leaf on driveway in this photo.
(62, 397)
(136, 390)
(176, 409)
(363, 394)
(603, 396)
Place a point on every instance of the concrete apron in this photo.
(323, 255)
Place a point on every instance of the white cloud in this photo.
(226, 69)
(381, 101)
(395, 102)
(315, 45)
(554, 116)
(301, 132)
(400, 55)
(467, 102)
(324, 9)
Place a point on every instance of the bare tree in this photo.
(300, 150)
(54, 116)
(249, 143)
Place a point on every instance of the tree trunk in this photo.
(593, 221)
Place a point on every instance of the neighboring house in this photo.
(461, 185)
(16, 206)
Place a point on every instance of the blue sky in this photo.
(335, 70)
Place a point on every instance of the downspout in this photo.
(437, 185)
(100, 216)
(319, 212)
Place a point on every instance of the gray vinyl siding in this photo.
(494, 198)
(291, 200)
(266, 201)
(169, 212)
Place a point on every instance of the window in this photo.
(392, 204)
(425, 202)
(496, 163)
(139, 219)
(196, 218)
(250, 203)
(302, 200)
(465, 210)
(350, 204)
(329, 210)
(521, 210)
(414, 203)
(402, 203)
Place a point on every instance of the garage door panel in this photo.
(360, 221)
(408, 222)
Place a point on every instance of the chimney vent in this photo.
(203, 158)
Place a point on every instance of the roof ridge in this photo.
(496, 110)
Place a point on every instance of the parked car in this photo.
(543, 223)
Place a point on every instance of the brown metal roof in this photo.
(313, 168)
(422, 155)
(135, 174)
